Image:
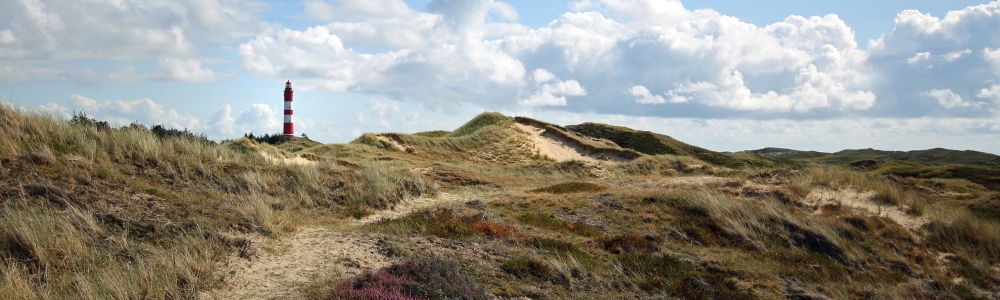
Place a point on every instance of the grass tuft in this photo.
(570, 187)
(630, 242)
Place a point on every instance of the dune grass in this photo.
(90, 211)
(95, 212)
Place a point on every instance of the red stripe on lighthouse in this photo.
(289, 129)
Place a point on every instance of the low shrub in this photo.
(447, 223)
(495, 230)
(629, 242)
(525, 267)
(570, 187)
(431, 278)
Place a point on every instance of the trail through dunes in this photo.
(562, 149)
(284, 269)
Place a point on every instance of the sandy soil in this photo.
(404, 208)
(284, 270)
(298, 160)
(667, 182)
(398, 144)
(862, 200)
(560, 149)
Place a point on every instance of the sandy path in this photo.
(286, 268)
(560, 149)
(862, 200)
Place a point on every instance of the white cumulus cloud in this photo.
(144, 111)
(476, 53)
(47, 38)
(551, 91)
(643, 95)
(947, 98)
(944, 68)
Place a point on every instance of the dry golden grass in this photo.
(97, 213)
(91, 212)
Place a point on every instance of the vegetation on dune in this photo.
(433, 133)
(483, 120)
(427, 278)
(986, 176)
(147, 211)
(930, 157)
(489, 138)
(150, 213)
(651, 143)
(570, 187)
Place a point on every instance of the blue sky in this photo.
(725, 75)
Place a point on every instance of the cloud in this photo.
(550, 91)
(49, 39)
(919, 57)
(258, 119)
(820, 135)
(953, 56)
(341, 9)
(643, 96)
(992, 92)
(947, 98)
(222, 121)
(925, 53)
(992, 56)
(476, 53)
(186, 70)
(144, 111)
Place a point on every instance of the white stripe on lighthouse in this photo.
(288, 118)
(288, 104)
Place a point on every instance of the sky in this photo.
(724, 75)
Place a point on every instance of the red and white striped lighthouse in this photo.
(289, 128)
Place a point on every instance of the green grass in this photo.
(526, 268)
(930, 157)
(651, 143)
(550, 222)
(483, 120)
(986, 176)
(433, 133)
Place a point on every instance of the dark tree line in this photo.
(81, 119)
(273, 139)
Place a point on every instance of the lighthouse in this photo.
(289, 128)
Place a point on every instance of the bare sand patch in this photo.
(285, 269)
(411, 205)
(862, 200)
(394, 141)
(561, 149)
(295, 160)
